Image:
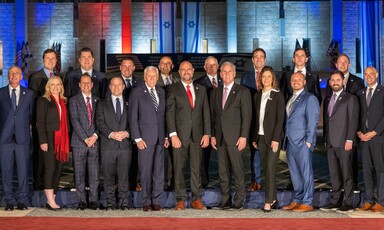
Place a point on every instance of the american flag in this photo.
(333, 52)
(18, 54)
(56, 46)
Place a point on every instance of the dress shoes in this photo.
(146, 208)
(274, 205)
(225, 206)
(366, 206)
(81, 206)
(330, 207)
(21, 206)
(237, 207)
(376, 208)
(156, 207)
(9, 207)
(180, 205)
(345, 209)
(303, 208)
(124, 207)
(52, 209)
(197, 204)
(254, 187)
(93, 205)
(110, 207)
(291, 206)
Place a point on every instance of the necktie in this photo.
(189, 93)
(153, 96)
(369, 96)
(50, 74)
(128, 83)
(89, 112)
(13, 100)
(167, 81)
(331, 104)
(225, 95)
(291, 103)
(118, 109)
(214, 83)
(256, 78)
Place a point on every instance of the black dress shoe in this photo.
(156, 207)
(9, 207)
(225, 206)
(21, 206)
(110, 207)
(52, 209)
(146, 208)
(93, 205)
(81, 206)
(124, 207)
(237, 208)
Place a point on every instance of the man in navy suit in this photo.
(147, 122)
(16, 108)
(250, 80)
(115, 144)
(370, 133)
(36, 83)
(300, 129)
(85, 147)
(72, 78)
(210, 80)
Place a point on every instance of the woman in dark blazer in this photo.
(52, 128)
(268, 133)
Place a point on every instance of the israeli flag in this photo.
(191, 20)
(167, 27)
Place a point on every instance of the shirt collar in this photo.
(229, 87)
(47, 72)
(85, 71)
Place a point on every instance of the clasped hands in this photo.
(119, 136)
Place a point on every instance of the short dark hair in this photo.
(127, 59)
(86, 49)
(298, 49)
(120, 77)
(336, 72)
(86, 74)
(343, 55)
(48, 51)
(261, 50)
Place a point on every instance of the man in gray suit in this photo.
(231, 112)
(341, 115)
(112, 123)
(189, 126)
(146, 119)
(85, 147)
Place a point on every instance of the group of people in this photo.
(126, 121)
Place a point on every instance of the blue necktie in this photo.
(13, 100)
(128, 83)
(118, 109)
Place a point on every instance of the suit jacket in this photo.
(273, 117)
(372, 117)
(161, 83)
(37, 82)
(72, 79)
(127, 91)
(190, 124)
(343, 122)
(16, 124)
(106, 123)
(354, 84)
(79, 119)
(206, 82)
(312, 85)
(47, 118)
(301, 123)
(144, 121)
(234, 120)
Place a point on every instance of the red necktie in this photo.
(50, 74)
(190, 96)
(89, 111)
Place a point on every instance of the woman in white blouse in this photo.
(270, 112)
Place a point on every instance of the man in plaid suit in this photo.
(85, 147)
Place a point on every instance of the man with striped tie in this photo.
(146, 119)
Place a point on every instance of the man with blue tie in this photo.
(16, 108)
(85, 147)
(300, 128)
(115, 145)
(147, 122)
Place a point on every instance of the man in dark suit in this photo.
(341, 114)
(231, 113)
(300, 130)
(147, 122)
(189, 126)
(36, 83)
(166, 79)
(85, 147)
(72, 78)
(16, 108)
(312, 84)
(370, 133)
(210, 80)
(250, 80)
(115, 145)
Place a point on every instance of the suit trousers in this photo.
(341, 174)
(151, 165)
(116, 163)
(269, 161)
(204, 168)
(193, 152)
(170, 170)
(134, 171)
(300, 169)
(82, 158)
(38, 161)
(230, 159)
(255, 165)
(11, 153)
(52, 167)
(373, 165)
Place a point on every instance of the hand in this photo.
(176, 143)
(141, 145)
(241, 143)
(213, 143)
(116, 136)
(360, 135)
(370, 135)
(308, 144)
(254, 144)
(275, 146)
(90, 141)
(348, 146)
(166, 143)
(44, 147)
(204, 141)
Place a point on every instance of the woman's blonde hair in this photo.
(47, 93)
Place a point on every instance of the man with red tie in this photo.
(189, 126)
